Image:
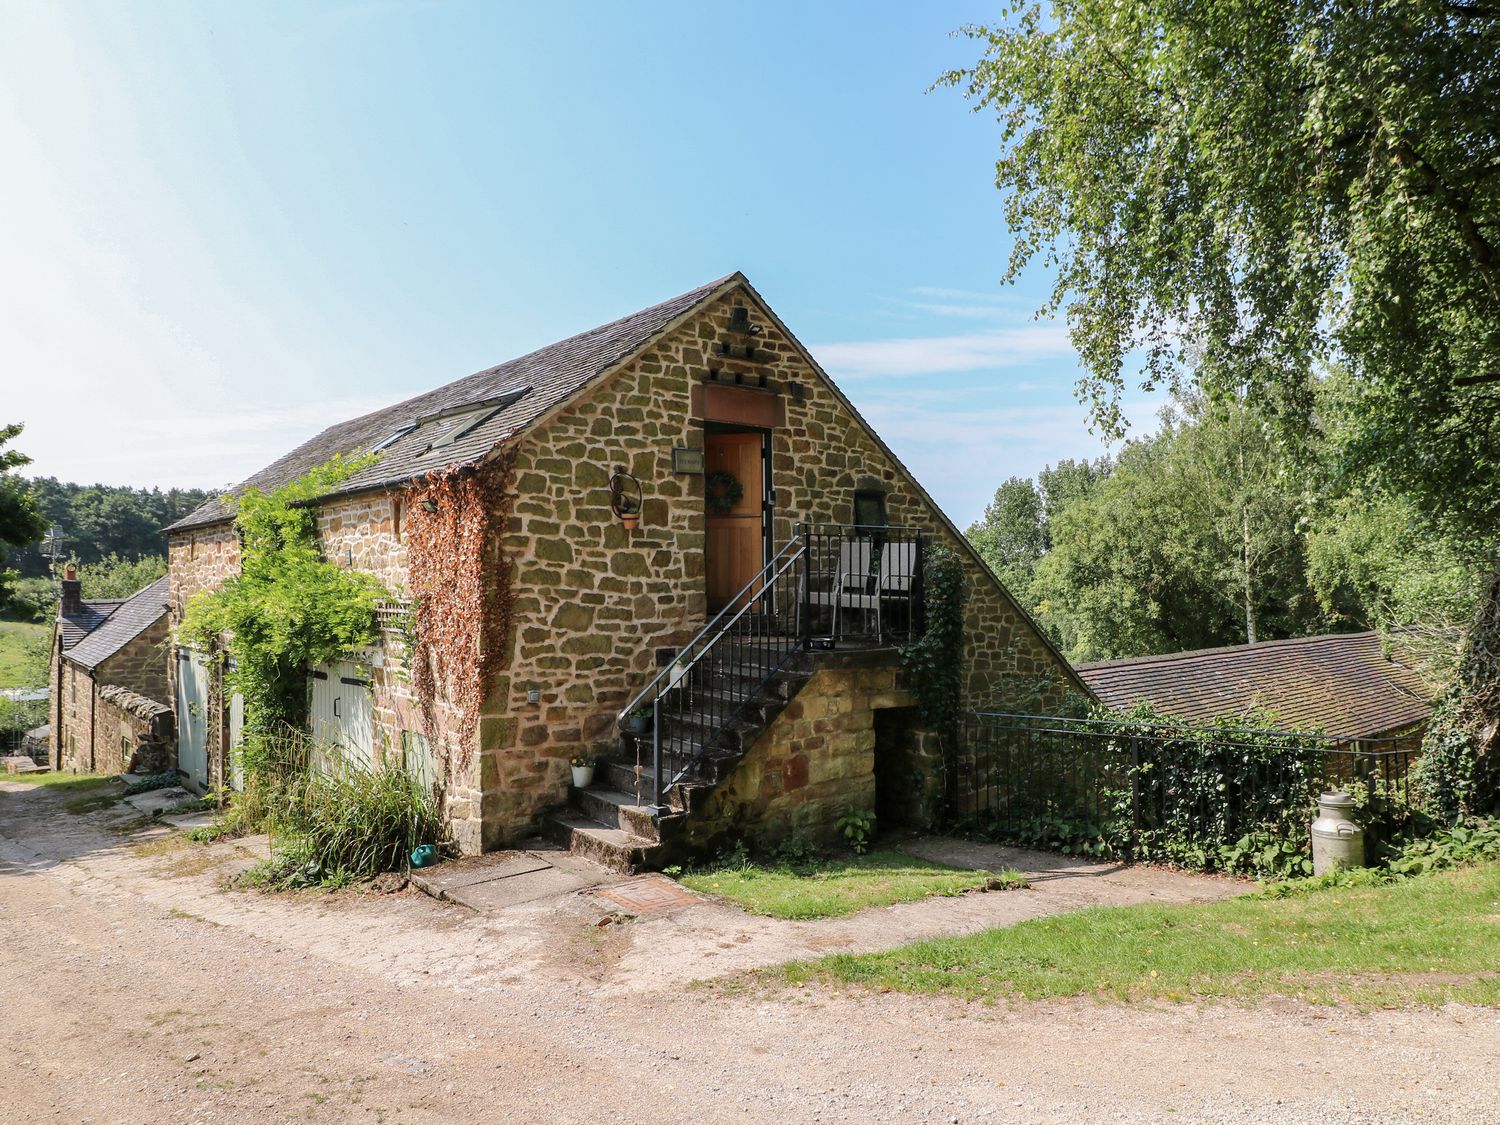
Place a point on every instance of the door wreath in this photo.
(722, 492)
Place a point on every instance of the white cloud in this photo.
(930, 355)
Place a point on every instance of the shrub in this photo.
(348, 823)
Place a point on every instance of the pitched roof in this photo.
(130, 619)
(463, 420)
(91, 614)
(1343, 683)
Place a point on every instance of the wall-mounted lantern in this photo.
(625, 499)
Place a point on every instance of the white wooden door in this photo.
(341, 714)
(193, 718)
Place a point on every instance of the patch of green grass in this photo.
(60, 781)
(1423, 941)
(832, 888)
(18, 665)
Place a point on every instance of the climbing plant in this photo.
(461, 589)
(934, 662)
(289, 606)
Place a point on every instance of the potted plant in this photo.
(638, 722)
(583, 771)
(629, 510)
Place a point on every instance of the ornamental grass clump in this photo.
(339, 825)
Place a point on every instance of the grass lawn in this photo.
(1423, 941)
(16, 667)
(73, 784)
(834, 888)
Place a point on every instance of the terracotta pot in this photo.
(631, 520)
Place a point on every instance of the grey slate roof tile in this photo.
(130, 619)
(1343, 683)
(554, 374)
(76, 626)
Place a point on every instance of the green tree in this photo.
(1015, 531)
(1241, 192)
(96, 521)
(1193, 540)
(115, 577)
(21, 522)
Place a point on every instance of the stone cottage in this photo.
(109, 682)
(677, 514)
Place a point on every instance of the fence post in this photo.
(1135, 796)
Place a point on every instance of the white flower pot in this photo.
(583, 776)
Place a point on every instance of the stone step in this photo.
(615, 808)
(612, 847)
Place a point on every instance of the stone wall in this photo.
(75, 741)
(132, 732)
(199, 560)
(815, 760)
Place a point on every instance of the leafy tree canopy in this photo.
(96, 521)
(1242, 191)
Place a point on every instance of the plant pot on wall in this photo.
(583, 772)
(625, 499)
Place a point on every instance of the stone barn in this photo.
(669, 545)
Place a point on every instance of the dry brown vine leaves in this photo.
(456, 517)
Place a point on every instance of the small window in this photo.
(396, 518)
(869, 509)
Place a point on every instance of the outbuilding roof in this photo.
(124, 623)
(1344, 683)
(463, 420)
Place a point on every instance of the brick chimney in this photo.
(72, 593)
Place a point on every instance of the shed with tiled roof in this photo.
(1345, 684)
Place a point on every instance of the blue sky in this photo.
(228, 225)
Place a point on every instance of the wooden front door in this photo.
(735, 544)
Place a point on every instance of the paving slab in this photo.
(647, 894)
(501, 879)
(461, 873)
(158, 800)
(497, 894)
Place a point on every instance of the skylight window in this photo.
(386, 443)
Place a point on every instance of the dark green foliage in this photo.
(98, 520)
(151, 783)
(288, 607)
(1455, 781)
(934, 662)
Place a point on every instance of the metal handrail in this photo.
(799, 542)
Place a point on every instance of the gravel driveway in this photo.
(137, 991)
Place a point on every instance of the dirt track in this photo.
(139, 992)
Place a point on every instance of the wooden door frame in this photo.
(767, 493)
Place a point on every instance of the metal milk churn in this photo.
(1336, 840)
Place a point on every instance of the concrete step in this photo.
(611, 847)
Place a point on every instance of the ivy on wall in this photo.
(289, 606)
(461, 584)
(934, 663)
